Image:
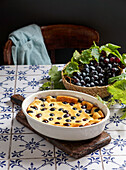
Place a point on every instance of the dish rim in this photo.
(62, 127)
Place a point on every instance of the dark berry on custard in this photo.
(96, 110)
(64, 102)
(66, 115)
(57, 122)
(72, 104)
(85, 119)
(65, 111)
(29, 111)
(52, 104)
(68, 120)
(54, 97)
(74, 108)
(38, 115)
(45, 121)
(60, 109)
(66, 124)
(51, 114)
(43, 109)
(52, 109)
(81, 126)
(88, 111)
(34, 107)
(50, 119)
(84, 106)
(73, 117)
(43, 105)
(77, 121)
(77, 114)
(42, 99)
(59, 118)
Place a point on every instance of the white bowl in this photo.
(66, 133)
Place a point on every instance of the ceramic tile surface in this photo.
(21, 148)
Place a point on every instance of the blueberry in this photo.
(51, 114)
(34, 107)
(73, 117)
(64, 102)
(29, 111)
(68, 120)
(38, 115)
(45, 121)
(88, 111)
(59, 118)
(52, 109)
(66, 115)
(66, 124)
(50, 119)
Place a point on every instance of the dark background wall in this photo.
(108, 17)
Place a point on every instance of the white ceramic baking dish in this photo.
(66, 133)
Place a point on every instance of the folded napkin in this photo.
(29, 47)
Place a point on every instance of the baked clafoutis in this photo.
(65, 111)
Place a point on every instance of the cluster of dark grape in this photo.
(97, 74)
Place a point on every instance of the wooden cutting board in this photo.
(75, 149)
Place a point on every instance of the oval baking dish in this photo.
(66, 133)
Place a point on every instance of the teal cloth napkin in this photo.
(29, 47)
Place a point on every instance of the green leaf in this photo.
(71, 68)
(124, 59)
(118, 90)
(53, 71)
(95, 53)
(86, 56)
(55, 80)
(120, 77)
(76, 56)
(46, 85)
(106, 49)
(113, 47)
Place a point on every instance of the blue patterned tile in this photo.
(85, 163)
(16, 107)
(18, 127)
(114, 122)
(28, 84)
(5, 123)
(114, 162)
(5, 82)
(4, 146)
(5, 103)
(60, 153)
(33, 164)
(117, 146)
(30, 146)
(7, 70)
(33, 70)
(4, 164)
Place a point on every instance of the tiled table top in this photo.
(22, 149)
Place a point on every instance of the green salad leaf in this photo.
(55, 81)
(118, 91)
(120, 77)
(85, 56)
(76, 56)
(71, 68)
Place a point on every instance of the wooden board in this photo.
(75, 149)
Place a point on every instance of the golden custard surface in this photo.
(65, 111)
